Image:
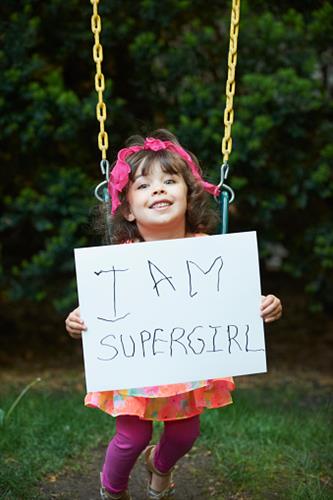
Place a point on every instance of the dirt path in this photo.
(195, 480)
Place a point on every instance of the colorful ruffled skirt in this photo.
(164, 402)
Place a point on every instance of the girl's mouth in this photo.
(161, 204)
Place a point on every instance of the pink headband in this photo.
(121, 171)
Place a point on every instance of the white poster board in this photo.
(170, 311)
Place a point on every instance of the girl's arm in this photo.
(271, 308)
(74, 324)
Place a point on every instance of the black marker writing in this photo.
(156, 339)
(103, 343)
(220, 341)
(124, 350)
(112, 320)
(230, 338)
(152, 266)
(214, 338)
(247, 349)
(144, 340)
(113, 271)
(177, 340)
(220, 265)
(198, 339)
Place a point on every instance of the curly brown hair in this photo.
(200, 216)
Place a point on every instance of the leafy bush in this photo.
(165, 65)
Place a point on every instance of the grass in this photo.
(272, 443)
(48, 430)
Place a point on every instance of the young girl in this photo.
(157, 193)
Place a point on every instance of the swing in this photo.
(227, 195)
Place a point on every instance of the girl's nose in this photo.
(158, 189)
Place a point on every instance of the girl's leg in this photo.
(177, 439)
(131, 438)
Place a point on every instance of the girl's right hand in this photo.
(74, 324)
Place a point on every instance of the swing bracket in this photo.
(105, 169)
(227, 196)
(224, 187)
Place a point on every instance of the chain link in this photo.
(96, 26)
(103, 141)
(230, 86)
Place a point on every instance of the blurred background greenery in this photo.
(165, 65)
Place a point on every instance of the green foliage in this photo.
(51, 219)
(165, 65)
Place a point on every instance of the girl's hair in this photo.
(200, 216)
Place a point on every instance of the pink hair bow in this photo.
(121, 171)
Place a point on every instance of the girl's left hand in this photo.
(271, 308)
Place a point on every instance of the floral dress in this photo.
(165, 402)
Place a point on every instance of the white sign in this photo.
(171, 311)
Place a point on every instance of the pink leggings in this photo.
(131, 438)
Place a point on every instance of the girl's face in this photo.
(157, 202)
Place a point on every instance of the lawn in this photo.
(274, 442)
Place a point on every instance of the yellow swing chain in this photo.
(227, 194)
(230, 86)
(230, 91)
(103, 141)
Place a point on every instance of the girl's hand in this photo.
(74, 324)
(271, 308)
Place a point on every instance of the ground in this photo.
(84, 485)
(195, 476)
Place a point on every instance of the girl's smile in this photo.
(158, 202)
(159, 205)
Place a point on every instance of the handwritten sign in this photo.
(170, 311)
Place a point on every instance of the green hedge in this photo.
(165, 64)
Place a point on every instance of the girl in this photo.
(157, 193)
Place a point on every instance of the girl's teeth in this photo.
(159, 205)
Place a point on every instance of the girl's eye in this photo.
(142, 186)
(170, 181)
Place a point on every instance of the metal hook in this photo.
(105, 192)
(224, 172)
(225, 187)
(222, 186)
(105, 168)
